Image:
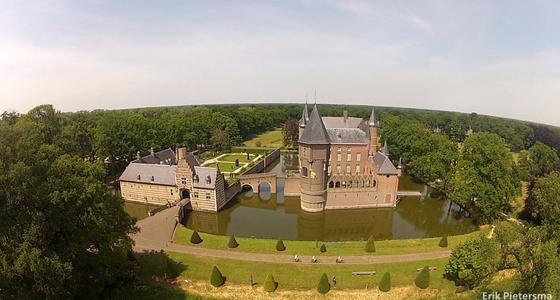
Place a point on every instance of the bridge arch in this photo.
(255, 180)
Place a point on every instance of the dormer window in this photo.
(138, 176)
(195, 179)
(208, 179)
(153, 178)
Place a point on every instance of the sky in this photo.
(492, 57)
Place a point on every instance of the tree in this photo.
(64, 232)
(323, 248)
(385, 283)
(195, 238)
(290, 133)
(443, 242)
(216, 277)
(472, 262)
(370, 244)
(270, 285)
(546, 200)
(220, 140)
(232, 242)
(486, 179)
(538, 161)
(280, 246)
(423, 279)
(324, 286)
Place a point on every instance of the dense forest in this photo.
(64, 233)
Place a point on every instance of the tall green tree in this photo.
(546, 201)
(290, 133)
(486, 179)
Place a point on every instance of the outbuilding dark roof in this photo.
(347, 136)
(315, 132)
(163, 157)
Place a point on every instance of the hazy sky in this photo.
(494, 57)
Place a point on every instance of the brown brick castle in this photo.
(341, 165)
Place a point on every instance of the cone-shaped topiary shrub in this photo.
(443, 241)
(423, 279)
(195, 238)
(323, 248)
(232, 242)
(216, 278)
(269, 284)
(385, 283)
(370, 244)
(324, 286)
(280, 246)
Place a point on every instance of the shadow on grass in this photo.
(154, 265)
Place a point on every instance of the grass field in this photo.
(270, 139)
(183, 234)
(223, 166)
(233, 156)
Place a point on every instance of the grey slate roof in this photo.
(203, 173)
(347, 136)
(315, 132)
(166, 156)
(143, 173)
(338, 122)
(384, 164)
(191, 160)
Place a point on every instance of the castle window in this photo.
(331, 184)
(329, 170)
(338, 170)
(304, 171)
(195, 178)
(208, 196)
(349, 156)
(138, 176)
(368, 183)
(338, 157)
(171, 192)
(374, 183)
(183, 180)
(153, 178)
(347, 169)
(358, 169)
(350, 183)
(344, 184)
(337, 184)
(195, 194)
(339, 149)
(358, 156)
(208, 179)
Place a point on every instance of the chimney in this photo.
(181, 153)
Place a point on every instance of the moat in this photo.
(275, 216)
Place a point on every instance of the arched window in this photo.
(344, 184)
(350, 183)
(337, 184)
(374, 183)
(304, 171)
(367, 183)
(331, 184)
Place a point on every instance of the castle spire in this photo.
(385, 149)
(304, 115)
(315, 131)
(372, 118)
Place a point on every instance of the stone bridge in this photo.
(254, 180)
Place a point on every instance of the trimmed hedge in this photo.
(443, 242)
(385, 283)
(216, 278)
(324, 286)
(423, 279)
(232, 242)
(323, 248)
(280, 246)
(195, 238)
(270, 285)
(370, 244)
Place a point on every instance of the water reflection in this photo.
(267, 215)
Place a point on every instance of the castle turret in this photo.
(373, 146)
(303, 121)
(314, 158)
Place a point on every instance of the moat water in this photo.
(274, 216)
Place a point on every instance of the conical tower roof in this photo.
(315, 132)
(385, 149)
(304, 116)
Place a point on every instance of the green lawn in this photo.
(271, 139)
(233, 156)
(183, 234)
(299, 276)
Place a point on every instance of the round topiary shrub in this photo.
(280, 246)
(232, 242)
(195, 238)
(216, 278)
(270, 285)
(324, 286)
(443, 241)
(323, 248)
(385, 283)
(370, 244)
(423, 279)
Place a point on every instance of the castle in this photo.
(341, 165)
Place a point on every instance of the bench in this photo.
(430, 268)
(363, 273)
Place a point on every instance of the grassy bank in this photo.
(387, 247)
(271, 139)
